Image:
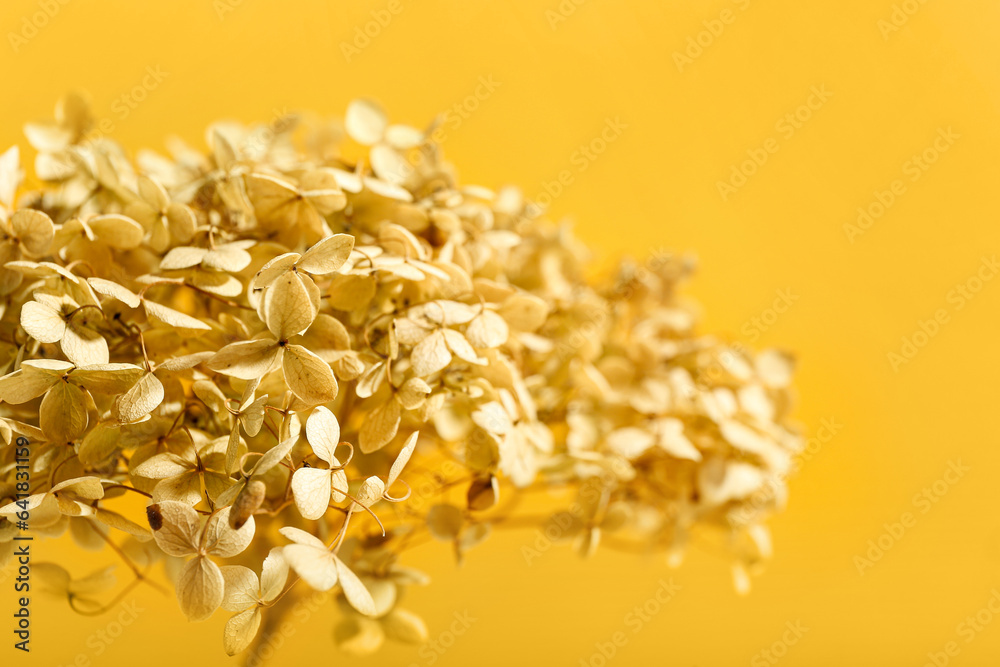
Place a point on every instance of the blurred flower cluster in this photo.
(279, 365)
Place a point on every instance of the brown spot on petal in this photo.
(154, 517)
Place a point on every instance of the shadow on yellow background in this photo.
(832, 165)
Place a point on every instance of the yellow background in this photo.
(654, 187)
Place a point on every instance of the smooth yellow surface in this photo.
(655, 186)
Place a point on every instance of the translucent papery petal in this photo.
(22, 386)
(311, 490)
(300, 536)
(274, 574)
(42, 322)
(144, 397)
(287, 306)
(242, 588)
(63, 413)
(200, 588)
(328, 255)
(401, 460)
(316, 565)
(184, 488)
(354, 589)
(219, 539)
(246, 360)
(323, 434)
(240, 631)
(308, 376)
(83, 346)
(175, 526)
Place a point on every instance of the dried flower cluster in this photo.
(308, 350)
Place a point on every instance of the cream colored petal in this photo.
(242, 589)
(172, 317)
(275, 267)
(35, 230)
(672, 440)
(185, 361)
(246, 360)
(144, 397)
(492, 417)
(74, 508)
(309, 377)
(30, 503)
(118, 231)
(287, 306)
(365, 121)
(311, 490)
(152, 192)
(21, 386)
(83, 346)
(210, 394)
(11, 175)
(273, 575)
(107, 378)
(385, 189)
(240, 631)
(390, 165)
(89, 488)
(409, 331)
(460, 346)
(182, 257)
(401, 459)
(115, 291)
(300, 536)
(235, 448)
(323, 434)
(176, 527)
(181, 221)
(350, 292)
(430, 355)
(380, 426)
(339, 486)
(321, 189)
(200, 588)
(42, 322)
(403, 136)
(274, 456)
(524, 312)
(630, 442)
(348, 181)
(487, 330)
(63, 413)
(314, 564)
(413, 393)
(269, 194)
(184, 488)
(99, 444)
(720, 481)
(219, 539)
(252, 417)
(118, 521)
(370, 492)
(162, 466)
(328, 255)
(230, 257)
(354, 590)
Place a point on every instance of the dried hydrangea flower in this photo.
(306, 363)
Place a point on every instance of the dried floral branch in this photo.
(241, 337)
